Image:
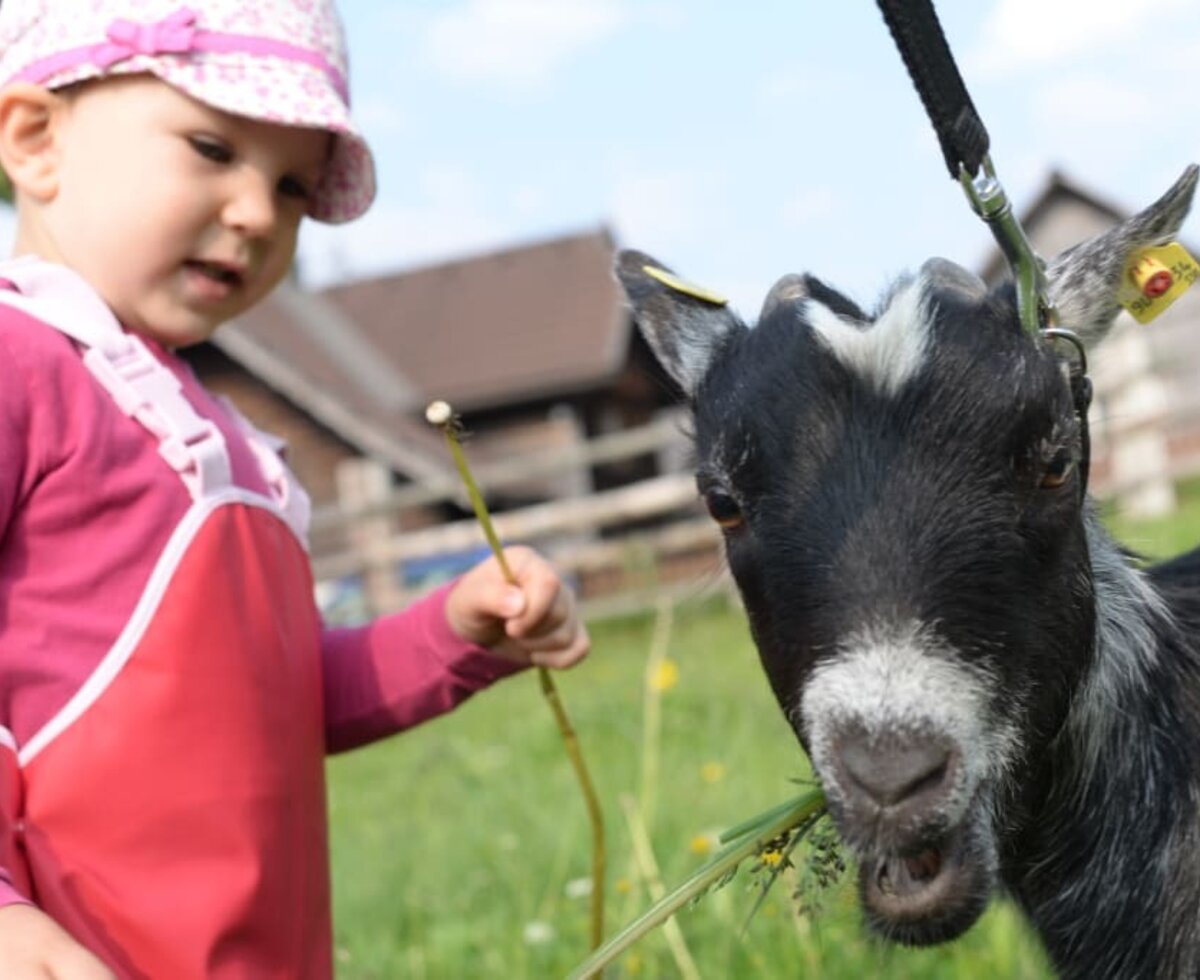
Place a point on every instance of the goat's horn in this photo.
(787, 291)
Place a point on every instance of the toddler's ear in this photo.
(29, 120)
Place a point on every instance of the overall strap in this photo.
(140, 385)
(290, 497)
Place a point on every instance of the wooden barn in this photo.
(531, 345)
(573, 427)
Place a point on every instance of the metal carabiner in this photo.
(989, 201)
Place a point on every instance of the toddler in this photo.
(167, 689)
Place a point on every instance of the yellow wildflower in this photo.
(712, 772)
(770, 859)
(703, 844)
(664, 676)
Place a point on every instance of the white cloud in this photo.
(664, 208)
(807, 206)
(786, 87)
(518, 44)
(1024, 33)
(376, 114)
(530, 200)
(1093, 100)
(445, 218)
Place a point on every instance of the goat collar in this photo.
(1081, 395)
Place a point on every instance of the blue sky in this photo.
(738, 142)
(741, 141)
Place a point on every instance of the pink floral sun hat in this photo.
(279, 61)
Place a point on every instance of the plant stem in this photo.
(652, 708)
(449, 426)
(643, 852)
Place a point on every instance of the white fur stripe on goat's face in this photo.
(904, 681)
(887, 353)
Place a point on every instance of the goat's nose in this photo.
(891, 771)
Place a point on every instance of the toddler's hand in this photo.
(532, 622)
(35, 947)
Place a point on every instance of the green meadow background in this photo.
(462, 849)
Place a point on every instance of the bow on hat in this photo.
(174, 34)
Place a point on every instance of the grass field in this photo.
(461, 849)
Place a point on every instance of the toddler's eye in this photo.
(294, 187)
(211, 149)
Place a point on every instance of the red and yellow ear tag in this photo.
(1155, 278)
(680, 286)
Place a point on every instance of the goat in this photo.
(992, 693)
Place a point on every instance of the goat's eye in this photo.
(1058, 470)
(723, 509)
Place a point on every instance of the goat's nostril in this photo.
(891, 771)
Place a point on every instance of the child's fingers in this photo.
(550, 636)
(560, 658)
(548, 604)
(547, 630)
(481, 602)
(534, 621)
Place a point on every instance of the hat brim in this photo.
(254, 88)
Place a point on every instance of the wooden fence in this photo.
(624, 547)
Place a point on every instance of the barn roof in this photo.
(512, 326)
(484, 332)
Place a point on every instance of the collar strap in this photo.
(1081, 395)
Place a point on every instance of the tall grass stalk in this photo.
(647, 865)
(652, 688)
(639, 812)
(441, 415)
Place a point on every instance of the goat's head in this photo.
(901, 505)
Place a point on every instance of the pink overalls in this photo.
(172, 815)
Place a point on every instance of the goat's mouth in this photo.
(930, 895)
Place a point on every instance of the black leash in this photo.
(918, 35)
(964, 139)
(965, 145)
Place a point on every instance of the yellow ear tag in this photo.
(672, 282)
(1155, 278)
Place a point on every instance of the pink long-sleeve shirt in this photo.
(86, 506)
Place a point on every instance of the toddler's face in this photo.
(181, 216)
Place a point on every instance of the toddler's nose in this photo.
(252, 208)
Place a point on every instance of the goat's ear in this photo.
(1084, 280)
(685, 327)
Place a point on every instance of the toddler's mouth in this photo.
(219, 272)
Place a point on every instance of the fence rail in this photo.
(625, 545)
(574, 516)
(661, 435)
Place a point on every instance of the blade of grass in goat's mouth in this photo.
(747, 840)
